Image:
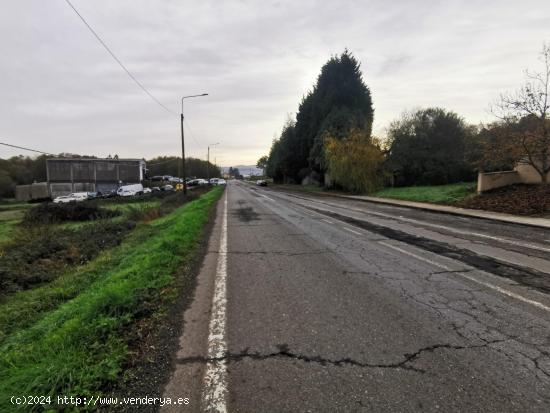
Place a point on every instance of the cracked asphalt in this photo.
(338, 305)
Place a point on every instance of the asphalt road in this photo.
(319, 304)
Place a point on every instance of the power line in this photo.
(137, 82)
(186, 123)
(26, 149)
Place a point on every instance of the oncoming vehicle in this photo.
(130, 190)
(261, 182)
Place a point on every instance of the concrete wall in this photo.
(37, 190)
(492, 180)
(528, 174)
(522, 174)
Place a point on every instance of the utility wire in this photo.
(137, 82)
(186, 123)
(26, 149)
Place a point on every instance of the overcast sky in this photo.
(62, 92)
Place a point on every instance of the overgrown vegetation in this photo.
(37, 255)
(49, 213)
(55, 238)
(68, 336)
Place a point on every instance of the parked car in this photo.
(175, 180)
(155, 189)
(109, 194)
(167, 188)
(94, 195)
(261, 182)
(64, 199)
(157, 178)
(147, 190)
(130, 190)
(221, 182)
(214, 181)
(197, 182)
(74, 197)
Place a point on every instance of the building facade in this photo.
(67, 175)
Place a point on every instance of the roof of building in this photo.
(97, 159)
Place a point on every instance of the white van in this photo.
(130, 190)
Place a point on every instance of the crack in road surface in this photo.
(525, 276)
(284, 352)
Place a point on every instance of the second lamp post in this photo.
(183, 140)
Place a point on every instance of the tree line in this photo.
(330, 140)
(22, 170)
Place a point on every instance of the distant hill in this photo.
(244, 169)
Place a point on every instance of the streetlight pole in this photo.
(183, 141)
(208, 160)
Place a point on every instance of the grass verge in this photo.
(437, 194)
(79, 347)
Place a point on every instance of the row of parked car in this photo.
(135, 189)
(125, 190)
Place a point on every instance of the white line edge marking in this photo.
(428, 224)
(215, 377)
(327, 221)
(351, 230)
(485, 284)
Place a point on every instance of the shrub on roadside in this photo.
(38, 255)
(49, 213)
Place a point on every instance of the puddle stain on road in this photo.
(245, 213)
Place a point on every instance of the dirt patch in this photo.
(515, 199)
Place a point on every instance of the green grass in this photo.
(67, 337)
(9, 218)
(15, 205)
(437, 194)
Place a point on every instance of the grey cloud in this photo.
(62, 92)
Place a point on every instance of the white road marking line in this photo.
(450, 229)
(350, 230)
(457, 231)
(327, 221)
(215, 377)
(266, 197)
(469, 277)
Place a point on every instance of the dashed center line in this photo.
(351, 230)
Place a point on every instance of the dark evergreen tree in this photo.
(339, 102)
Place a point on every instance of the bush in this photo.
(38, 255)
(49, 213)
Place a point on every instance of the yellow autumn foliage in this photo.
(355, 162)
